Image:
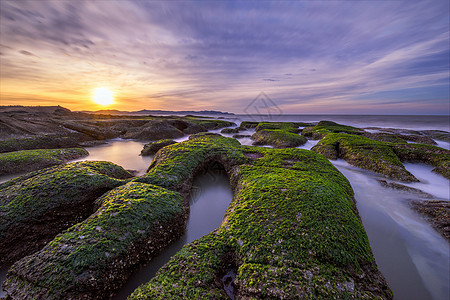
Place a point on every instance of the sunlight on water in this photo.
(412, 256)
(124, 153)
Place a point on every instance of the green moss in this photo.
(153, 147)
(431, 155)
(212, 124)
(277, 138)
(93, 256)
(325, 127)
(285, 126)
(30, 160)
(54, 198)
(364, 153)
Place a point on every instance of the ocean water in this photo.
(386, 121)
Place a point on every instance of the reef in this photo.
(31, 160)
(153, 147)
(380, 153)
(37, 206)
(437, 212)
(292, 231)
(277, 138)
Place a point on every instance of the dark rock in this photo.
(230, 130)
(437, 212)
(153, 147)
(31, 160)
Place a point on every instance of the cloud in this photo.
(221, 55)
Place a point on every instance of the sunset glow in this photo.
(103, 96)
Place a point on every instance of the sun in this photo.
(103, 96)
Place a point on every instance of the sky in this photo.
(307, 57)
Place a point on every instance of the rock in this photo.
(238, 136)
(31, 160)
(401, 187)
(438, 135)
(277, 138)
(437, 212)
(154, 130)
(193, 136)
(93, 258)
(37, 206)
(38, 142)
(364, 153)
(325, 127)
(153, 147)
(230, 130)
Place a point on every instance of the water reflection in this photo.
(211, 196)
(124, 153)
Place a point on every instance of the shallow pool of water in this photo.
(210, 198)
(412, 256)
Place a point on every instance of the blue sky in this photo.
(343, 57)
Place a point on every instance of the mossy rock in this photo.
(248, 125)
(278, 138)
(364, 153)
(37, 206)
(431, 155)
(230, 130)
(440, 135)
(325, 127)
(292, 230)
(31, 160)
(153, 147)
(285, 126)
(211, 124)
(93, 258)
(37, 142)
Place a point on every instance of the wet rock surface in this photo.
(37, 206)
(153, 147)
(437, 212)
(31, 160)
(93, 258)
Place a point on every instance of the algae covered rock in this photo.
(364, 153)
(230, 130)
(30, 160)
(37, 142)
(37, 206)
(325, 127)
(292, 230)
(153, 147)
(93, 258)
(277, 138)
(431, 155)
